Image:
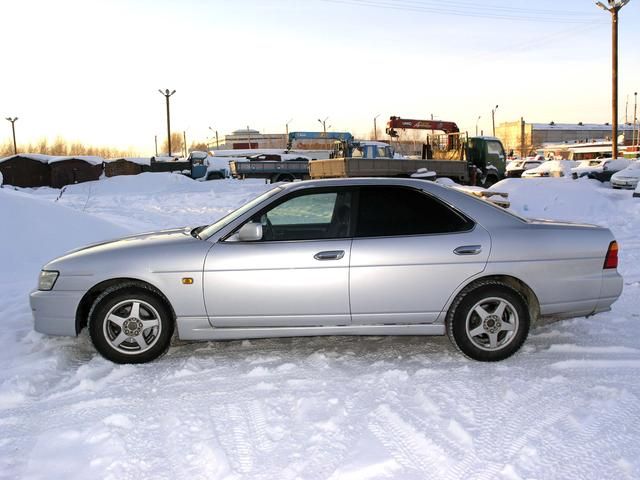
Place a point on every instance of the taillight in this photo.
(611, 260)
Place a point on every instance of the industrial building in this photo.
(252, 139)
(537, 135)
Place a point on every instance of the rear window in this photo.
(394, 211)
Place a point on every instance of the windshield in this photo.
(214, 227)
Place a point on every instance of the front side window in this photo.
(494, 148)
(398, 211)
(308, 209)
(311, 216)
(383, 152)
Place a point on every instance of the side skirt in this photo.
(190, 328)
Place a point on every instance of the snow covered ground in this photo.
(565, 407)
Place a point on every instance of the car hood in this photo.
(627, 173)
(81, 259)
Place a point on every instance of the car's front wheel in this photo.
(130, 324)
(488, 322)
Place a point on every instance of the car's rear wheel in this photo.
(130, 325)
(489, 321)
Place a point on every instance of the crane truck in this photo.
(453, 154)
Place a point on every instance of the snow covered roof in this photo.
(244, 131)
(577, 126)
(31, 156)
(138, 160)
(93, 160)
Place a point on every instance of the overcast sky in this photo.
(90, 70)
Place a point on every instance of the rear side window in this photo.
(393, 211)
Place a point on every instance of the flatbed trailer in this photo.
(386, 167)
(274, 171)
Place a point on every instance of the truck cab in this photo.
(487, 153)
(368, 150)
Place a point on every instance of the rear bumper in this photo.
(612, 284)
(54, 312)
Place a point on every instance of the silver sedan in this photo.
(336, 257)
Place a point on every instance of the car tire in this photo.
(488, 321)
(489, 181)
(130, 323)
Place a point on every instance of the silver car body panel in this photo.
(390, 285)
(276, 284)
(409, 279)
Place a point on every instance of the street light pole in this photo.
(324, 125)
(13, 130)
(493, 119)
(479, 117)
(166, 95)
(613, 8)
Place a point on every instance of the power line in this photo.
(468, 11)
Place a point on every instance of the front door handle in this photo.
(468, 250)
(329, 255)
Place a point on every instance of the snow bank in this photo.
(321, 408)
(141, 184)
(36, 230)
(558, 198)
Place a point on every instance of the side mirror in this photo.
(250, 232)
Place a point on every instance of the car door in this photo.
(296, 275)
(409, 254)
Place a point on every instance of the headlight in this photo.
(47, 279)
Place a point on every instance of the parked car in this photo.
(627, 178)
(599, 169)
(333, 257)
(516, 168)
(551, 168)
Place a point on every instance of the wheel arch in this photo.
(82, 311)
(525, 290)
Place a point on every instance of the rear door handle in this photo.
(468, 250)
(329, 255)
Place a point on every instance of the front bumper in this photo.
(629, 184)
(54, 312)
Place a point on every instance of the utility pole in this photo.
(184, 143)
(286, 129)
(479, 117)
(522, 142)
(13, 130)
(249, 134)
(493, 119)
(613, 8)
(216, 132)
(156, 142)
(166, 95)
(635, 120)
(375, 128)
